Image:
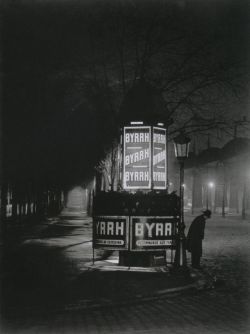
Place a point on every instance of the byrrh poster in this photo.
(144, 158)
(148, 233)
(137, 157)
(159, 158)
(110, 232)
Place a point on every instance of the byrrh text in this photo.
(159, 139)
(137, 176)
(137, 156)
(138, 137)
(110, 228)
(153, 229)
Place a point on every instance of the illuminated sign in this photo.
(145, 232)
(110, 232)
(144, 158)
(159, 158)
(137, 157)
(148, 233)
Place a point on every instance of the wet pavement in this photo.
(50, 286)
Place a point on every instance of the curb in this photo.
(200, 283)
(101, 303)
(87, 304)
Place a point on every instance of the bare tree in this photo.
(109, 167)
(193, 64)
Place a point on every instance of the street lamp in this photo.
(209, 185)
(181, 145)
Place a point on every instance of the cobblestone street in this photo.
(224, 309)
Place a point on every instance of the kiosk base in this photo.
(142, 259)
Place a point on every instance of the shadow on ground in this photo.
(42, 279)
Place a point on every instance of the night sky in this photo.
(67, 66)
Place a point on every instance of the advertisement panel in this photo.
(110, 232)
(152, 233)
(159, 158)
(137, 157)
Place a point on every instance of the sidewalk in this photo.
(52, 271)
(104, 283)
(53, 287)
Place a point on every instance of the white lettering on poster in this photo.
(153, 229)
(137, 156)
(159, 157)
(159, 139)
(139, 230)
(138, 137)
(109, 242)
(159, 176)
(102, 228)
(143, 243)
(137, 176)
(110, 228)
(150, 227)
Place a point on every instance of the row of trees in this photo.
(23, 202)
(192, 65)
(64, 96)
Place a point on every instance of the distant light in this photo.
(136, 123)
(160, 124)
(211, 184)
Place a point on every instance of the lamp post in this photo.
(181, 145)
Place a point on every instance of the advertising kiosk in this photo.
(141, 220)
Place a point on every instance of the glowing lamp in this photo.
(181, 145)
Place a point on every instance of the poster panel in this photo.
(110, 232)
(137, 157)
(159, 158)
(152, 233)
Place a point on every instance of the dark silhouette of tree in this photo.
(68, 67)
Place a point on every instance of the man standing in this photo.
(195, 237)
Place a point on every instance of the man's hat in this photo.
(207, 213)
